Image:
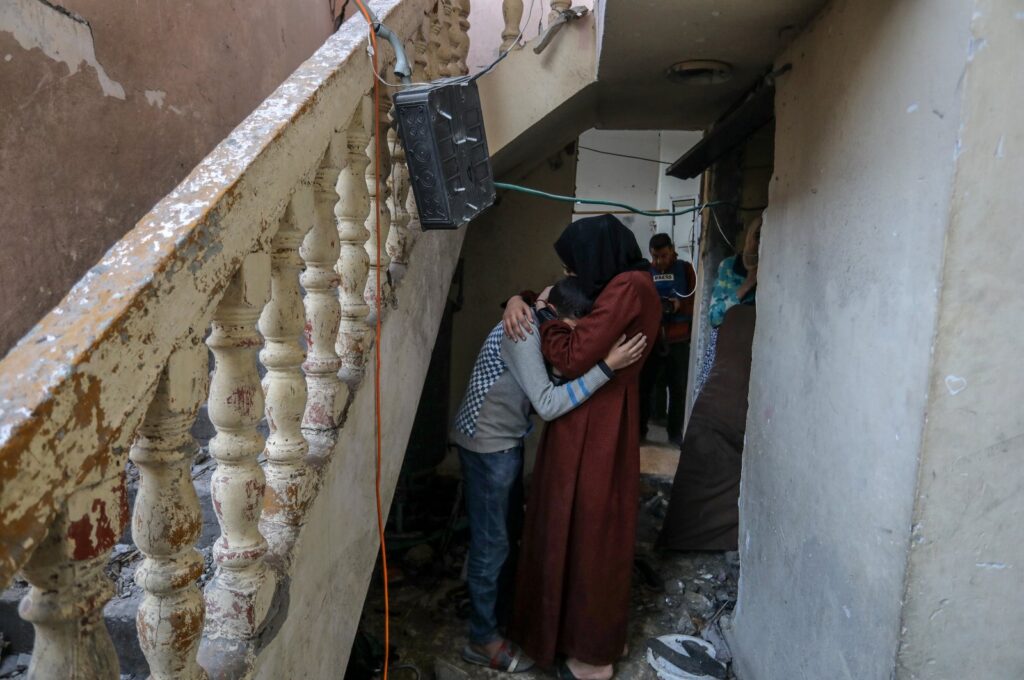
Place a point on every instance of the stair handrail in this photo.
(118, 368)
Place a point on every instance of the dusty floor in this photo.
(428, 603)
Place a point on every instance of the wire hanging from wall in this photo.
(623, 155)
(598, 201)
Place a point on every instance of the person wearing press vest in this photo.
(675, 281)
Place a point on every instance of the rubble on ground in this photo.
(686, 594)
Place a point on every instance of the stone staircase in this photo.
(252, 533)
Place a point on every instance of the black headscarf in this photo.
(597, 249)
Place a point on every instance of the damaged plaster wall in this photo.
(851, 263)
(60, 34)
(106, 107)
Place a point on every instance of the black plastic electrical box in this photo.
(442, 129)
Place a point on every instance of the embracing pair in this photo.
(574, 355)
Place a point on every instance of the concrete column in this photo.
(867, 150)
(963, 614)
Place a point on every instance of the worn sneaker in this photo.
(510, 658)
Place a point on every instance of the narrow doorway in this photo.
(673, 593)
(628, 166)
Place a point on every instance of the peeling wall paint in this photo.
(156, 98)
(106, 107)
(61, 35)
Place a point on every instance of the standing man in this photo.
(675, 281)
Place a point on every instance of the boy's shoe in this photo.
(510, 658)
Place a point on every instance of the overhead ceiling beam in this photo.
(732, 131)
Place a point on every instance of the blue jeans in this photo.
(493, 484)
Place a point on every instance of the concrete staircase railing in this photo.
(263, 257)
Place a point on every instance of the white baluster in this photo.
(403, 204)
(289, 482)
(168, 520)
(420, 48)
(69, 588)
(415, 228)
(512, 11)
(400, 239)
(460, 36)
(557, 7)
(323, 311)
(441, 34)
(432, 31)
(377, 279)
(238, 597)
(353, 263)
(409, 228)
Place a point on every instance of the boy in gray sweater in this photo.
(508, 379)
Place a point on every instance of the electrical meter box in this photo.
(441, 127)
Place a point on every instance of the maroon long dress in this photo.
(572, 595)
(703, 512)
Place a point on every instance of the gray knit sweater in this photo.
(504, 417)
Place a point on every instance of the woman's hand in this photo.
(517, 320)
(626, 352)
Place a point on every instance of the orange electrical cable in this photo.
(376, 344)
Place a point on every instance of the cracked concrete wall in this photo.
(106, 107)
(867, 137)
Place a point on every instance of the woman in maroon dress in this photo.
(576, 560)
